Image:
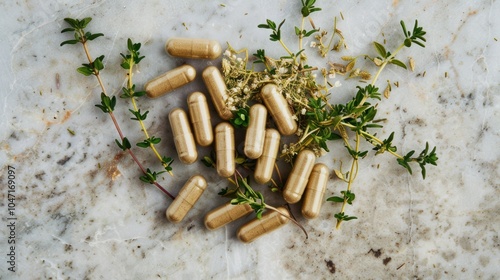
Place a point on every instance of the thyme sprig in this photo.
(107, 105)
(129, 60)
(319, 120)
(307, 9)
(243, 193)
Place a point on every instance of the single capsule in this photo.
(187, 197)
(297, 180)
(225, 149)
(279, 110)
(270, 221)
(183, 137)
(225, 214)
(254, 138)
(170, 80)
(265, 163)
(193, 48)
(217, 88)
(200, 118)
(315, 190)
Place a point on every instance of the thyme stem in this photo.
(117, 126)
(352, 175)
(141, 122)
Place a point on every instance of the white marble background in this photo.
(76, 220)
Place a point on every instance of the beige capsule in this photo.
(225, 149)
(225, 214)
(193, 48)
(217, 88)
(200, 118)
(254, 138)
(279, 109)
(269, 222)
(299, 176)
(315, 190)
(183, 137)
(187, 197)
(170, 80)
(265, 163)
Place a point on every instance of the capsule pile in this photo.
(306, 178)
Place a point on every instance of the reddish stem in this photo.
(117, 126)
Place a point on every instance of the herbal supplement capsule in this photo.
(187, 197)
(265, 164)
(200, 118)
(170, 80)
(217, 88)
(279, 110)
(193, 48)
(270, 221)
(225, 214)
(297, 180)
(183, 137)
(315, 190)
(254, 138)
(225, 149)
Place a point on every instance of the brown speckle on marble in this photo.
(331, 266)
(376, 253)
(112, 172)
(40, 175)
(386, 260)
(58, 81)
(68, 247)
(64, 160)
(449, 256)
(484, 260)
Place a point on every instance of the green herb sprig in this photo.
(107, 105)
(243, 193)
(129, 60)
(319, 120)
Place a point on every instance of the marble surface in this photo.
(82, 213)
